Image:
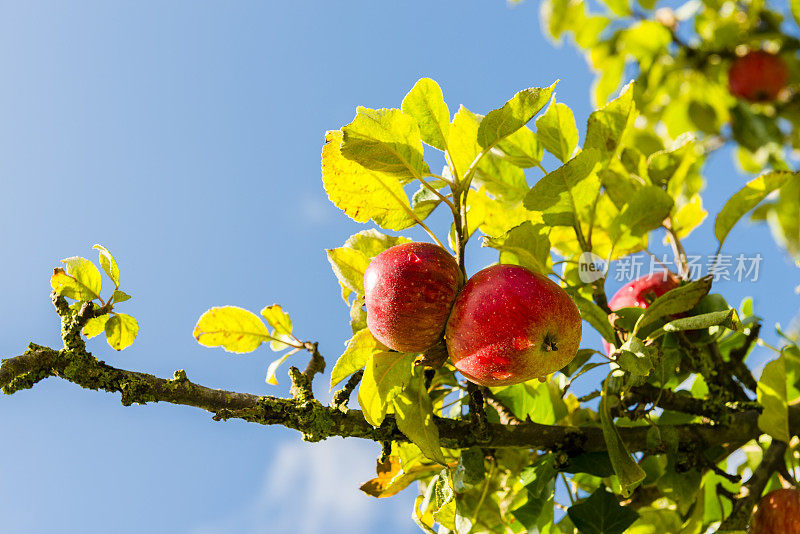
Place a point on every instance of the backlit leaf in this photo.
(645, 211)
(81, 281)
(426, 104)
(281, 323)
(514, 114)
(234, 329)
(556, 130)
(387, 141)
(361, 193)
(414, 416)
(554, 186)
(95, 326)
(109, 264)
(121, 330)
(772, 395)
(349, 265)
(359, 349)
(746, 199)
(385, 375)
(608, 125)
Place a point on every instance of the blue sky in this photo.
(185, 137)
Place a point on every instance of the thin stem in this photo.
(677, 249)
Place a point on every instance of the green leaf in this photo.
(556, 130)
(794, 5)
(120, 296)
(556, 185)
(754, 130)
(361, 193)
(234, 329)
(772, 395)
(522, 148)
(463, 147)
(607, 126)
(645, 211)
(621, 8)
(109, 264)
(358, 315)
(501, 178)
(538, 484)
(727, 318)
(414, 416)
(595, 316)
(385, 375)
(121, 330)
(526, 245)
(746, 199)
(81, 281)
(514, 114)
(470, 469)
(349, 265)
(681, 488)
(644, 40)
(359, 349)
(678, 300)
(601, 513)
(385, 140)
(636, 357)
(596, 463)
(626, 468)
(280, 321)
(688, 217)
(534, 400)
(95, 326)
(425, 103)
(559, 16)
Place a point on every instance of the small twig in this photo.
(316, 364)
(342, 397)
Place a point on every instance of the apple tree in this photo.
(519, 439)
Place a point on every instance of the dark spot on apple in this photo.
(549, 343)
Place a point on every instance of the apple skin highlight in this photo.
(510, 325)
(409, 290)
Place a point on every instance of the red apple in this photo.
(409, 290)
(758, 76)
(640, 293)
(778, 512)
(509, 325)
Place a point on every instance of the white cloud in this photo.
(312, 488)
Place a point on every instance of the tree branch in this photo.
(317, 422)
